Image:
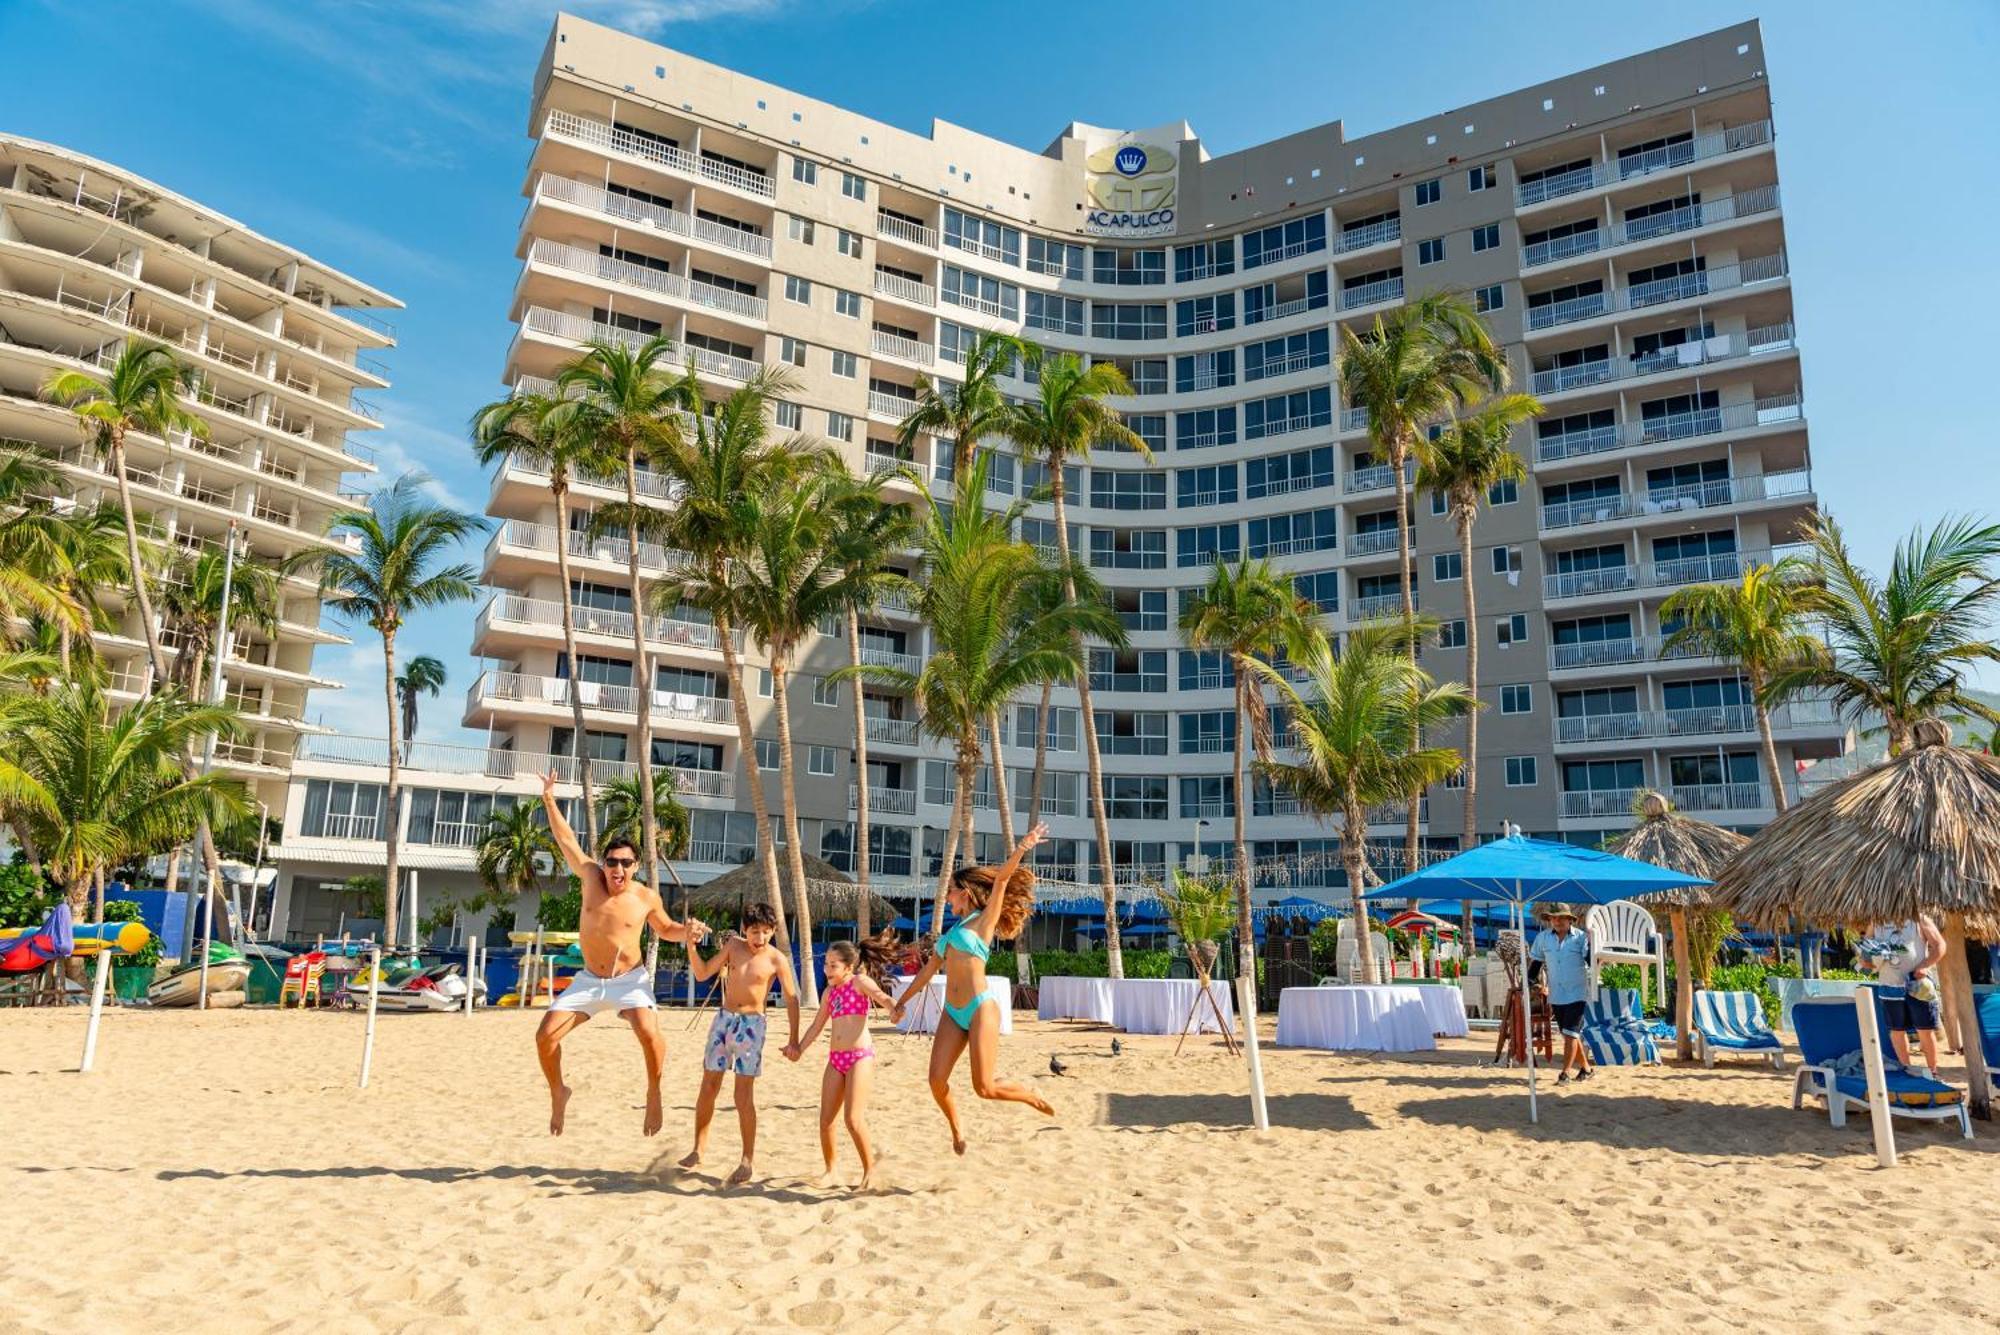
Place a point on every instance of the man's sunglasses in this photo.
(621, 862)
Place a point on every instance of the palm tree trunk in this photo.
(1957, 987)
(154, 655)
(1399, 453)
(961, 798)
(1683, 986)
(1469, 836)
(760, 810)
(578, 738)
(97, 882)
(862, 907)
(1000, 795)
(1094, 763)
(649, 819)
(1353, 855)
(1770, 743)
(393, 796)
(1246, 927)
(794, 856)
(1041, 755)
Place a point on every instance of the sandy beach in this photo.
(222, 1171)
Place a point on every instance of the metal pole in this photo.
(208, 748)
(471, 972)
(104, 954)
(1527, 1001)
(374, 995)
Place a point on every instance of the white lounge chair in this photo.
(1733, 1022)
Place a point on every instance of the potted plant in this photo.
(1202, 911)
(132, 974)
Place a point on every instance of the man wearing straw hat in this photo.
(1564, 954)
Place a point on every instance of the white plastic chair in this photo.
(1622, 932)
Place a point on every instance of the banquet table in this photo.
(1351, 1019)
(1161, 1006)
(921, 1015)
(1065, 998)
(1446, 1007)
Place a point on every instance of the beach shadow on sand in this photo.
(662, 1178)
(1221, 1112)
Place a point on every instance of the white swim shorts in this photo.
(629, 991)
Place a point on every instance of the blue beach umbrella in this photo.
(1519, 871)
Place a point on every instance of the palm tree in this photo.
(79, 555)
(527, 429)
(37, 574)
(867, 526)
(794, 573)
(513, 849)
(1901, 649)
(1355, 725)
(1249, 613)
(1471, 457)
(422, 676)
(396, 567)
(728, 459)
(1415, 367)
(1758, 623)
(969, 409)
(618, 815)
(1067, 418)
(96, 786)
(192, 607)
(140, 392)
(620, 396)
(983, 649)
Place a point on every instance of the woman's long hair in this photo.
(977, 885)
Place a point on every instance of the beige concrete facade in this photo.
(1621, 225)
(92, 256)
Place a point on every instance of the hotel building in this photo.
(92, 257)
(1621, 228)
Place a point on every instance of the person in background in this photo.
(1904, 956)
(1565, 956)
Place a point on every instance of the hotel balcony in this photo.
(890, 407)
(905, 231)
(1722, 720)
(1694, 286)
(892, 731)
(1382, 542)
(884, 801)
(1588, 654)
(656, 283)
(1673, 157)
(564, 125)
(1720, 567)
(1367, 236)
(1382, 292)
(1689, 356)
(910, 663)
(1777, 410)
(578, 330)
(552, 696)
(902, 349)
(516, 536)
(1710, 213)
(1616, 803)
(539, 620)
(1791, 485)
(551, 188)
(905, 290)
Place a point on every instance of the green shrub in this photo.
(560, 913)
(25, 897)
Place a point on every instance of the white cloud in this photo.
(408, 445)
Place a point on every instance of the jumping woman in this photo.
(992, 902)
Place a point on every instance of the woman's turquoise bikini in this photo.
(966, 941)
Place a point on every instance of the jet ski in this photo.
(438, 988)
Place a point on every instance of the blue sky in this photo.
(388, 137)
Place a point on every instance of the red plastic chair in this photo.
(302, 978)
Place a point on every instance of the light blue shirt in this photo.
(1567, 960)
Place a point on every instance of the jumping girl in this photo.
(998, 902)
(853, 985)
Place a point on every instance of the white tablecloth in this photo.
(921, 1016)
(1076, 999)
(1161, 1006)
(1365, 1019)
(1445, 1005)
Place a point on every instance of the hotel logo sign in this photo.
(1131, 186)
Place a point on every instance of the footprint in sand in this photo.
(817, 1315)
(1093, 1279)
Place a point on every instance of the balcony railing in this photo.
(1369, 294)
(542, 538)
(625, 208)
(1680, 287)
(895, 731)
(1743, 204)
(1676, 500)
(906, 290)
(1369, 234)
(1694, 353)
(578, 329)
(522, 688)
(600, 135)
(610, 269)
(1720, 796)
(1375, 477)
(892, 406)
(890, 658)
(903, 349)
(1583, 583)
(1777, 410)
(1713, 720)
(889, 801)
(1601, 653)
(1367, 544)
(1732, 140)
(546, 614)
(1375, 605)
(900, 229)
(1598, 802)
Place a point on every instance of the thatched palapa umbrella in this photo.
(1917, 835)
(1666, 838)
(829, 890)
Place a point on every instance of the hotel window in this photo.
(1447, 567)
(1208, 544)
(826, 691)
(854, 187)
(982, 236)
(1517, 699)
(1451, 634)
(847, 303)
(1132, 797)
(1520, 771)
(1036, 479)
(845, 365)
(1205, 315)
(792, 350)
(1429, 192)
(804, 172)
(962, 287)
(1204, 370)
(1301, 410)
(1300, 236)
(790, 416)
(1486, 238)
(839, 426)
(1480, 178)
(1511, 629)
(1128, 322)
(1213, 795)
(849, 244)
(1127, 489)
(1208, 426)
(1431, 251)
(1321, 588)
(1506, 560)
(1128, 549)
(819, 760)
(1056, 314)
(1204, 259)
(343, 810)
(1208, 732)
(1278, 474)
(798, 289)
(1215, 485)
(1306, 531)
(799, 229)
(767, 753)
(1504, 492)
(1128, 268)
(1058, 259)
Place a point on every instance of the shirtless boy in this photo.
(615, 906)
(736, 1039)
